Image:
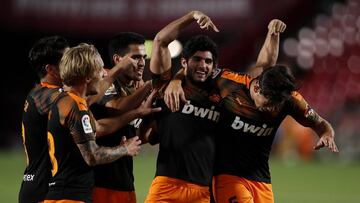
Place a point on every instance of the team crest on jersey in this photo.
(85, 121)
(216, 72)
(111, 90)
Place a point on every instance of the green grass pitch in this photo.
(300, 182)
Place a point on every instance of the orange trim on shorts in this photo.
(180, 183)
(238, 78)
(166, 189)
(101, 195)
(63, 201)
(229, 188)
(48, 85)
(81, 102)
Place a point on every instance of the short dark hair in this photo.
(200, 43)
(277, 84)
(47, 50)
(119, 44)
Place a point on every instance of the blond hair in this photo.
(80, 62)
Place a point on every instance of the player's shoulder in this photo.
(232, 75)
(68, 101)
(79, 101)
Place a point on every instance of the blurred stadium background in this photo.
(321, 45)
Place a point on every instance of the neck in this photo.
(51, 80)
(123, 80)
(196, 85)
(79, 90)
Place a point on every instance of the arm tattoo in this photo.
(311, 115)
(94, 154)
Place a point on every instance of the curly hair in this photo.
(200, 43)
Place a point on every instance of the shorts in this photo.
(229, 188)
(101, 195)
(166, 189)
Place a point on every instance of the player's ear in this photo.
(183, 63)
(256, 87)
(88, 80)
(51, 70)
(116, 58)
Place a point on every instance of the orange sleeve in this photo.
(78, 119)
(301, 111)
(236, 77)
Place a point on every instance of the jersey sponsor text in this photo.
(238, 124)
(201, 112)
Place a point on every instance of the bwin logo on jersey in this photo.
(201, 112)
(238, 124)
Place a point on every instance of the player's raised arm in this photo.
(161, 59)
(270, 50)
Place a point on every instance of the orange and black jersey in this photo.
(34, 127)
(187, 137)
(70, 123)
(117, 175)
(245, 133)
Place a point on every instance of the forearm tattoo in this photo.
(311, 115)
(94, 154)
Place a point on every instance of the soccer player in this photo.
(253, 111)
(44, 57)
(186, 138)
(71, 128)
(114, 182)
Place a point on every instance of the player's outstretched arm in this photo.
(94, 154)
(124, 104)
(308, 117)
(107, 126)
(326, 135)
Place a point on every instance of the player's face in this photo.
(94, 84)
(200, 66)
(262, 103)
(137, 52)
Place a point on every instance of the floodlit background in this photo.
(321, 45)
